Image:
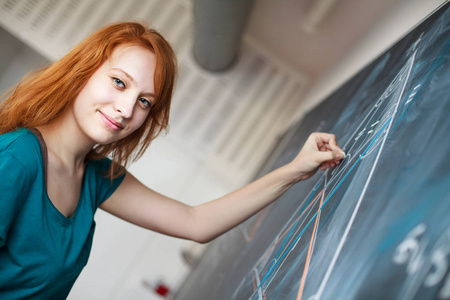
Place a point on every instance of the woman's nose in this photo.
(125, 106)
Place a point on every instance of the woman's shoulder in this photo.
(19, 138)
(22, 145)
(98, 174)
(102, 168)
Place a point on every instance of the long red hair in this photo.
(42, 96)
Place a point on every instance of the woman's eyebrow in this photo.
(150, 95)
(124, 73)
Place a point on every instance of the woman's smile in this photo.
(111, 123)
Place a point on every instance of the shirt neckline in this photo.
(44, 155)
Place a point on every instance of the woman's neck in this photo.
(66, 144)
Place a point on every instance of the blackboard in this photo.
(378, 225)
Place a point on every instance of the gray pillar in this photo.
(218, 29)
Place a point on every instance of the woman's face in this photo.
(118, 97)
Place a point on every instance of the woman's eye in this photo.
(145, 103)
(119, 82)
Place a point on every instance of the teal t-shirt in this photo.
(41, 251)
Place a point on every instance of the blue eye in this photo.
(119, 82)
(145, 103)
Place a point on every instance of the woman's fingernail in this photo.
(340, 155)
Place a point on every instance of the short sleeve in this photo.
(105, 187)
(14, 186)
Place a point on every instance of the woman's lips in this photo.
(110, 123)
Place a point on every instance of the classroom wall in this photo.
(16, 59)
(398, 21)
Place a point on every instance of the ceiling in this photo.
(279, 27)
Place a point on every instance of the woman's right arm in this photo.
(139, 205)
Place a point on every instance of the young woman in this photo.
(108, 97)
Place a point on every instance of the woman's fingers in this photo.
(329, 154)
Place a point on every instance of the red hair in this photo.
(42, 96)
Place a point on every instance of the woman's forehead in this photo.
(127, 50)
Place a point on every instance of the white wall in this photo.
(16, 59)
(396, 23)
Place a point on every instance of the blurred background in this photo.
(248, 70)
